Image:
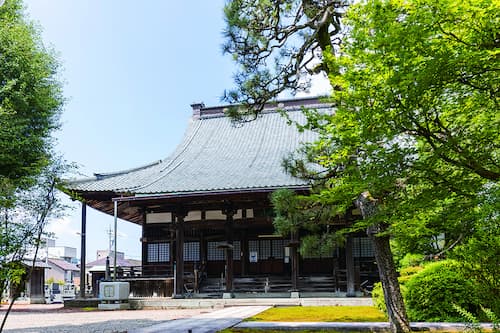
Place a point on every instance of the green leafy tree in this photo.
(414, 139)
(277, 45)
(23, 225)
(30, 105)
(30, 100)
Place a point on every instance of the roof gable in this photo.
(217, 154)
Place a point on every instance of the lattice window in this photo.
(158, 252)
(236, 250)
(265, 249)
(192, 251)
(213, 253)
(363, 247)
(253, 245)
(277, 251)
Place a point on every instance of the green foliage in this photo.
(296, 212)
(22, 226)
(410, 261)
(480, 252)
(415, 125)
(493, 317)
(378, 297)
(13, 273)
(275, 44)
(473, 322)
(30, 100)
(405, 275)
(419, 110)
(30, 105)
(431, 293)
(435, 292)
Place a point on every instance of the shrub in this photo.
(430, 293)
(411, 260)
(378, 297)
(378, 293)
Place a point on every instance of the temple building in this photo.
(206, 216)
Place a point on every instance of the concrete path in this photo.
(196, 303)
(207, 322)
(358, 327)
(55, 319)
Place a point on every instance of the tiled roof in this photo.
(216, 155)
(121, 262)
(38, 263)
(64, 265)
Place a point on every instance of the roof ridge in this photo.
(271, 107)
(102, 175)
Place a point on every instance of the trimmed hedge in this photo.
(431, 293)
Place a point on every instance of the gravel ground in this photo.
(53, 318)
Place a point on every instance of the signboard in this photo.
(253, 256)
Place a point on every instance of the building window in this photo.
(213, 253)
(253, 246)
(192, 251)
(265, 249)
(236, 250)
(278, 248)
(216, 254)
(363, 247)
(158, 252)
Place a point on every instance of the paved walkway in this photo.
(358, 327)
(55, 319)
(205, 323)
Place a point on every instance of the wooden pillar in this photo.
(294, 244)
(244, 252)
(179, 255)
(229, 226)
(144, 246)
(203, 252)
(83, 247)
(349, 263)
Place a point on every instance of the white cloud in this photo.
(65, 230)
(320, 86)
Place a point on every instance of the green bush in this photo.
(378, 297)
(431, 293)
(378, 293)
(411, 260)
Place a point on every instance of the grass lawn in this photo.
(321, 313)
(245, 330)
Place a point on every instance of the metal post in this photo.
(175, 280)
(114, 254)
(83, 250)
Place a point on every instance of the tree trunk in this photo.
(4, 320)
(396, 310)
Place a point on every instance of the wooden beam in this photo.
(229, 230)
(349, 263)
(179, 255)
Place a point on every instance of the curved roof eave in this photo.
(215, 156)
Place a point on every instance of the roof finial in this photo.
(197, 106)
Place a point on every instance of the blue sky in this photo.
(131, 70)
